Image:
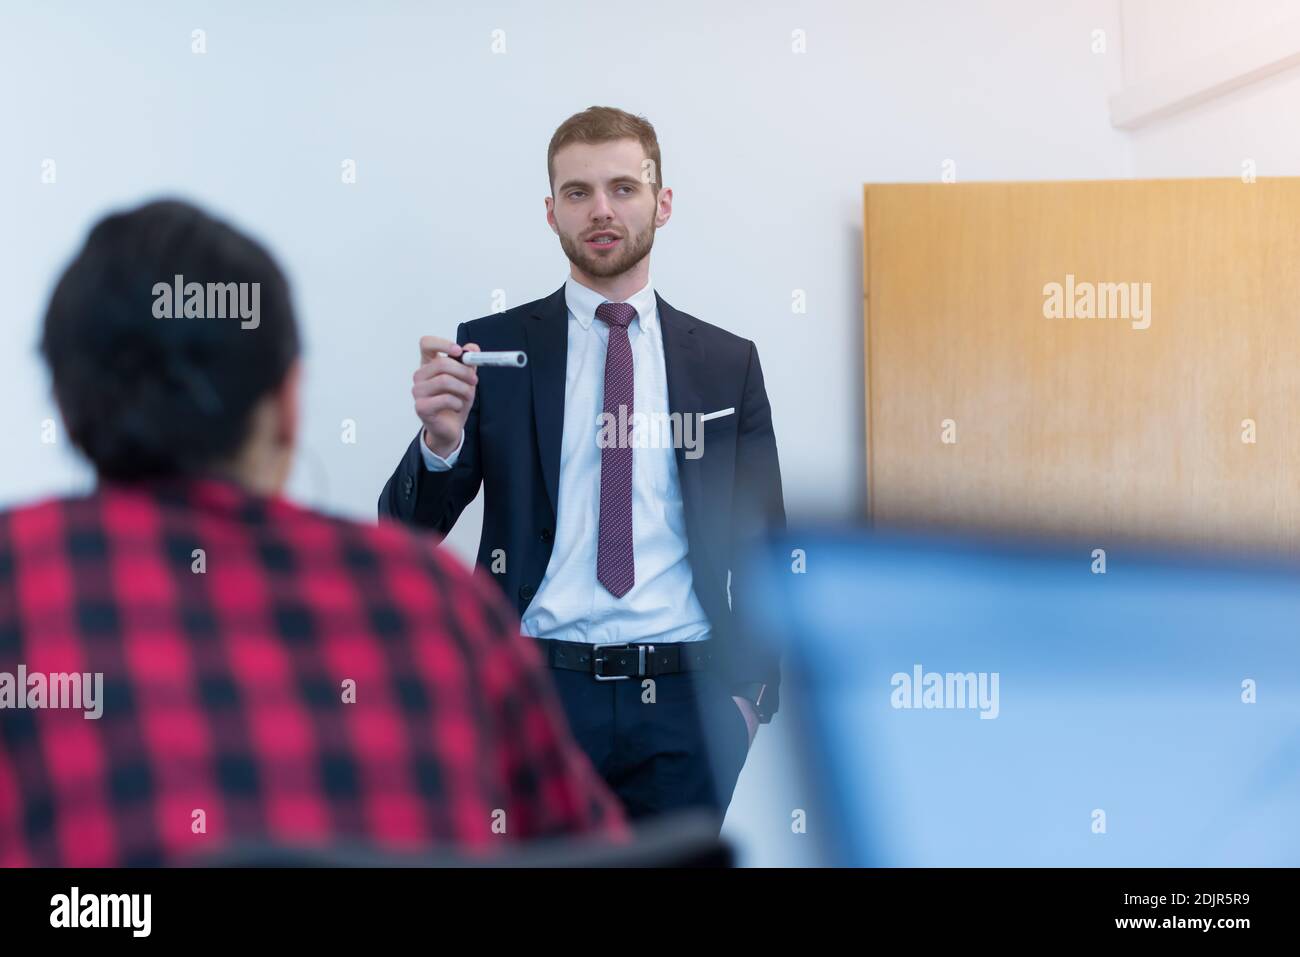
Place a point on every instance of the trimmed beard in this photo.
(635, 249)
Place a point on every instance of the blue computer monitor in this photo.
(1144, 716)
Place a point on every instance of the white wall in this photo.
(766, 151)
(1162, 36)
(1258, 123)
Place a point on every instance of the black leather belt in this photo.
(618, 662)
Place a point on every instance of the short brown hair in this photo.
(602, 124)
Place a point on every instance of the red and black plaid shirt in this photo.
(225, 673)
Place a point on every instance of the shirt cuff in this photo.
(435, 462)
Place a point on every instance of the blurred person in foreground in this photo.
(188, 660)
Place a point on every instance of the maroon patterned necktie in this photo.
(615, 568)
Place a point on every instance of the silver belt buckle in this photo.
(597, 660)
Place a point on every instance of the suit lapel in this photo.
(684, 368)
(547, 332)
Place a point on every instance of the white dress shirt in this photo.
(570, 604)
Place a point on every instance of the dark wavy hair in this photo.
(144, 396)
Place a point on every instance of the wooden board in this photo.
(1086, 426)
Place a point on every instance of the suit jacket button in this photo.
(547, 535)
(527, 592)
(408, 485)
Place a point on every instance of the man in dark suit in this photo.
(625, 469)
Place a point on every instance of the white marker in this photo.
(513, 360)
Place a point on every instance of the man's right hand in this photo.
(444, 391)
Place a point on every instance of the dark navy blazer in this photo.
(731, 493)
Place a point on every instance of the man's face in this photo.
(602, 210)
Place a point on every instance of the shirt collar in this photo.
(582, 302)
(201, 492)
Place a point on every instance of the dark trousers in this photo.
(679, 743)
